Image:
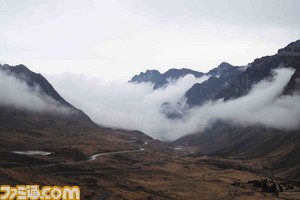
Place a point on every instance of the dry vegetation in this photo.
(159, 172)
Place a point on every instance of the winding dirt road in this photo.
(94, 157)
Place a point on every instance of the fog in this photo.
(121, 104)
(16, 93)
(139, 107)
(264, 105)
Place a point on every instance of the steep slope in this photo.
(152, 76)
(233, 83)
(33, 79)
(260, 69)
(223, 68)
(159, 80)
(12, 117)
(277, 150)
(220, 78)
(293, 85)
(274, 149)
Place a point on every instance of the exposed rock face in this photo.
(271, 186)
(223, 68)
(224, 138)
(222, 76)
(177, 73)
(293, 85)
(159, 80)
(152, 76)
(260, 69)
(233, 82)
(293, 49)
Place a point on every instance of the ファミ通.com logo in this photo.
(32, 192)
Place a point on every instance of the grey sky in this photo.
(117, 39)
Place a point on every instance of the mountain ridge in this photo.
(277, 149)
(13, 117)
(261, 68)
(226, 158)
(162, 79)
(219, 78)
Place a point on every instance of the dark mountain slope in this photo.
(260, 69)
(278, 150)
(33, 79)
(152, 76)
(237, 83)
(293, 85)
(14, 118)
(177, 73)
(223, 68)
(222, 76)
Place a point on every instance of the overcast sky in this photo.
(117, 39)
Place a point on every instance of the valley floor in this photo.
(157, 172)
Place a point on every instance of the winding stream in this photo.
(32, 153)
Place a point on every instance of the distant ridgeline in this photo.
(160, 80)
(227, 81)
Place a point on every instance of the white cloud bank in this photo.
(16, 93)
(137, 106)
(264, 105)
(122, 105)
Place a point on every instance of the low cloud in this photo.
(264, 105)
(16, 93)
(139, 107)
(121, 104)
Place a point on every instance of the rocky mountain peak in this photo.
(177, 73)
(291, 49)
(220, 77)
(21, 68)
(223, 67)
(159, 80)
(152, 76)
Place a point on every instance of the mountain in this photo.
(32, 79)
(260, 69)
(293, 86)
(225, 161)
(275, 149)
(224, 68)
(220, 78)
(177, 73)
(45, 139)
(160, 80)
(152, 76)
(234, 82)
(14, 117)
